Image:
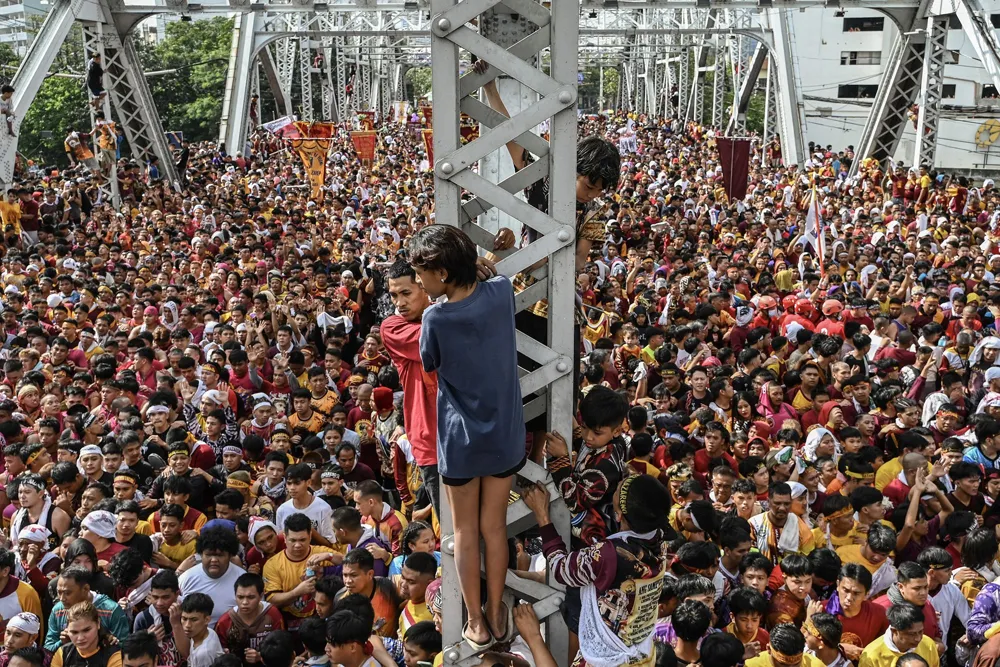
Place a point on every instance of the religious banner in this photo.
(469, 132)
(428, 136)
(314, 130)
(734, 156)
(367, 120)
(400, 111)
(427, 111)
(364, 144)
(313, 153)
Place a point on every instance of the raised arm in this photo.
(496, 103)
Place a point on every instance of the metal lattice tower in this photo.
(93, 42)
(305, 77)
(931, 90)
(719, 81)
(557, 31)
(770, 106)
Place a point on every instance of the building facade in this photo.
(840, 67)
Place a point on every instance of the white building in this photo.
(18, 21)
(840, 57)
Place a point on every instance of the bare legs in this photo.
(489, 496)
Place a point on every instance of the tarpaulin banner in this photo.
(364, 144)
(283, 127)
(428, 136)
(313, 153)
(734, 154)
(367, 119)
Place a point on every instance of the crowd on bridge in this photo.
(229, 410)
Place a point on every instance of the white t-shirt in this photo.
(205, 653)
(221, 590)
(319, 512)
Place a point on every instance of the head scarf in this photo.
(26, 622)
(798, 489)
(988, 343)
(828, 408)
(813, 441)
(932, 404)
(256, 525)
(744, 315)
(37, 534)
(90, 450)
(990, 400)
(433, 596)
(101, 523)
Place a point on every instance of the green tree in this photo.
(189, 98)
(60, 104)
(419, 79)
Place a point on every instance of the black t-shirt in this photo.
(145, 473)
(143, 545)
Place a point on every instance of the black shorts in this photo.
(462, 481)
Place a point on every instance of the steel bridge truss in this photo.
(354, 56)
(914, 75)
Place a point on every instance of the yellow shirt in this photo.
(23, 598)
(819, 537)
(282, 575)
(889, 471)
(144, 528)
(314, 424)
(852, 554)
(412, 614)
(325, 403)
(10, 214)
(764, 660)
(878, 654)
(178, 552)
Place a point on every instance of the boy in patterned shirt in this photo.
(387, 522)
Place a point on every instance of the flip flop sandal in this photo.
(479, 648)
(510, 632)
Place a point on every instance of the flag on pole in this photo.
(428, 137)
(734, 156)
(813, 232)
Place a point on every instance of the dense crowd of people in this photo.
(228, 412)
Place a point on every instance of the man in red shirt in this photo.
(401, 337)
(863, 620)
(912, 586)
(29, 214)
